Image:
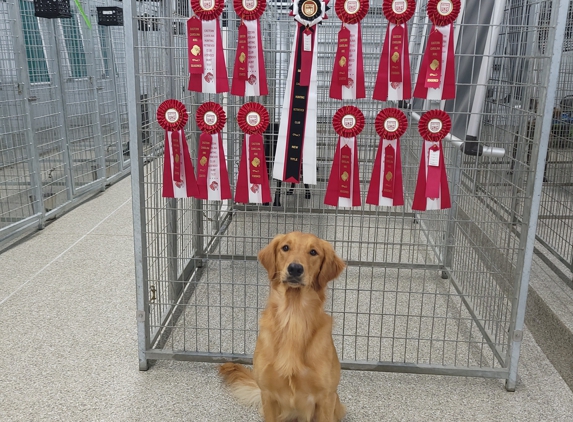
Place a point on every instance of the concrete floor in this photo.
(68, 347)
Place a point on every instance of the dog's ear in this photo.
(267, 256)
(331, 267)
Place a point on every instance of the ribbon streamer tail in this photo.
(333, 189)
(381, 86)
(190, 180)
(167, 191)
(242, 188)
(446, 201)
(356, 202)
(398, 183)
(419, 203)
(373, 196)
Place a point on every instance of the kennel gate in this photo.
(437, 292)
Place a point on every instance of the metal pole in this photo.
(98, 137)
(534, 186)
(113, 75)
(486, 68)
(172, 203)
(62, 116)
(137, 178)
(530, 17)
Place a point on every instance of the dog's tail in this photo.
(241, 383)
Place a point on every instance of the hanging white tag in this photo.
(434, 158)
(307, 41)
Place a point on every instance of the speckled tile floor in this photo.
(68, 350)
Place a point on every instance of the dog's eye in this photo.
(313, 252)
(285, 248)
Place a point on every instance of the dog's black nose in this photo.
(295, 270)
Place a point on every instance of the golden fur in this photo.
(295, 366)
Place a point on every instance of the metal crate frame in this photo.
(436, 292)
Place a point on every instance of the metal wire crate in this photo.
(438, 292)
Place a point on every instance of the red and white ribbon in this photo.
(249, 75)
(386, 187)
(212, 175)
(437, 75)
(347, 81)
(178, 176)
(343, 188)
(207, 68)
(253, 181)
(296, 142)
(432, 191)
(393, 79)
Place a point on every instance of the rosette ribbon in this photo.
(178, 176)
(343, 188)
(207, 68)
(432, 191)
(249, 76)
(437, 75)
(253, 181)
(347, 81)
(393, 79)
(296, 142)
(212, 175)
(386, 188)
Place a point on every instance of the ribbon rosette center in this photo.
(208, 9)
(398, 11)
(443, 12)
(210, 118)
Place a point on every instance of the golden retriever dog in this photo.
(295, 366)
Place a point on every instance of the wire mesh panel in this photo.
(17, 187)
(432, 292)
(81, 105)
(555, 228)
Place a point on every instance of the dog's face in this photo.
(301, 260)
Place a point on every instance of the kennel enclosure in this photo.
(436, 292)
(63, 111)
